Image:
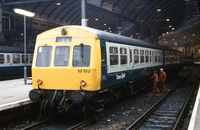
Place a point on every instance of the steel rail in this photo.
(185, 105)
(134, 124)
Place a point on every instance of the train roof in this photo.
(10, 49)
(117, 38)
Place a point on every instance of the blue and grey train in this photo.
(75, 65)
(12, 60)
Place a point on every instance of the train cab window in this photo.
(23, 58)
(1, 58)
(123, 56)
(8, 59)
(114, 56)
(103, 56)
(141, 56)
(81, 56)
(147, 56)
(136, 56)
(62, 56)
(31, 58)
(16, 58)
(44, 56)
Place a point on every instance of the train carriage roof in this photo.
(117, 38)
(9, 49)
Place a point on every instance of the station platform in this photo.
(14, 93)
(195, 118)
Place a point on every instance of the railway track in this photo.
(120, 117)
(167, 112)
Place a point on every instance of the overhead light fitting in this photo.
(170, 26)
(105, 24)
(58, 3)
(158, 10)
(24, 12)
(109, 28)
(96, 19)
(193, 34)
(173, 28)
(167, 20)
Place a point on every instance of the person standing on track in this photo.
(162, 78)
(155, 82)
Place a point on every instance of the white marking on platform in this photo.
(15, 104)
(194, 112)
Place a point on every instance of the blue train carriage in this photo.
(75, 65)
(12, 60)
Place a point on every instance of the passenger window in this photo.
(123, 56)
(156, 57)
(147, 56)
(1, 58)
(103, 56)
(114, 56)
(61, 56)
(23, 58)
(16, 58)
(44, 56)
(130, 56)
(31, 58)
(150, 56)
(141, 56)
(8, 59)
(159, 56)
(81, 56)
(136, 56)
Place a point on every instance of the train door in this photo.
(131, 65)
(103, 65)
(8, 59)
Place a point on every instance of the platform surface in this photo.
(195, 119)
(14, 93)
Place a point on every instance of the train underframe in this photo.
(86, 102)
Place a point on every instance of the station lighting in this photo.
(173, 39)
(167, 20)
(167, 32)
(28, 14)
(110, 31)
(105, 24)
(109, 28)
(184, 37)
(22, 34)
(170, 26)
(58, 3)
(158, 10)
(173, 28)
(96, 19)
(131, 35)
(193, 34)
(23, 12)
(163, 34)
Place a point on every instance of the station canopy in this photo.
(166, 22)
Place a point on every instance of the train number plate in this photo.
(84, 71)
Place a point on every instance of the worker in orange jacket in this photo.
(162, 78)
(155, 82)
